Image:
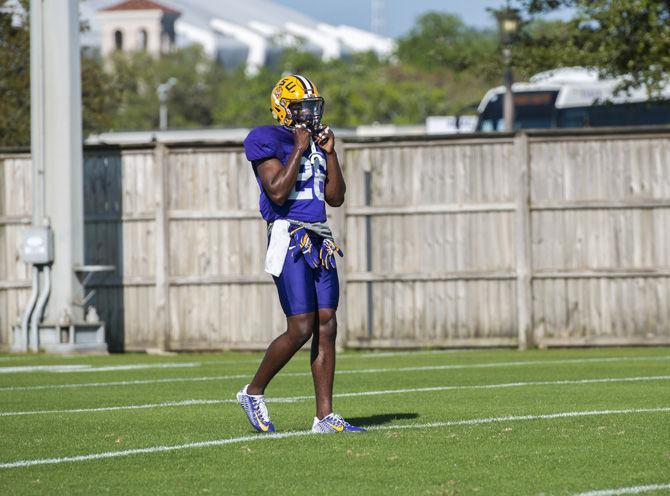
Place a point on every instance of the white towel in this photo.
(279, 241)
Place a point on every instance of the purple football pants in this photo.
(303, 289)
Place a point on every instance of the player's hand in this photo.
(301, 136)
(325, 139)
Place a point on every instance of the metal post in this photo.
(163, 116)
(39, 309)
(378, 17)
(37, 109)
(61, 142)
(368, 253)
(27, 314)
(523, 241)
(162, 244)
(509, 22)
(508, 109)
(163, 90)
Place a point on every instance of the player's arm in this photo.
(278, 180)
(335, 186)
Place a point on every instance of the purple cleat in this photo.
(334, 423)
(257, 412)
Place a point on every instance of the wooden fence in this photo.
(536, 239)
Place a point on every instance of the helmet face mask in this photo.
(307, 111)
(296, 100)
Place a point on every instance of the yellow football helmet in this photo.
(295, 100)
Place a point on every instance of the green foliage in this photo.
(14, 81)
(544, 45)
(243, 101)
(360, 89)
(442, 44)
(99, 95)
(440, 66)
(363, 89)
(620, 36)
(136, 77)
(443, 41)
(539, 6)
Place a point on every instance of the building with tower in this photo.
(252, 33)
(137, 25)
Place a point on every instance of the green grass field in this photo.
(468, 422)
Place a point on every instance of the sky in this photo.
(400, 14)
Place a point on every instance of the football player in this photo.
(298, 172)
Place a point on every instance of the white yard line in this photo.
(569, 361)
(145, 406)
(509, 385)
(339, 372)
(283, 435)
(92, 368)
(125, 383)
(218, 361)
(445, 352)
(42, 368)
(295, 399)
(385, 354)
(24, 357)
(626, 490)
(140, 366)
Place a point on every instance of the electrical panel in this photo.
(37, 247)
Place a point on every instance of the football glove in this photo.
(327, 253)
(305, 247)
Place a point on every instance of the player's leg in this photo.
(323, 354)
(323, 360)
(251, 397)
(323, 373)
(295, 287)
(298, 330)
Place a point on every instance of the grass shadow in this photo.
(380, 419)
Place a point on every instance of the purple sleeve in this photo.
(260, 145)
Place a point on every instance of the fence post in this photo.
(524, 287)
(339, 228)
(162, 248)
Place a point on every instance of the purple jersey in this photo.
(306, 202)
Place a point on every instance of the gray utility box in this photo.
(37, 246)
(79, 337)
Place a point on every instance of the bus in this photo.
(573, 97)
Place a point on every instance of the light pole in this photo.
(508, 27)
(162, 91)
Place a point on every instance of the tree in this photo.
(543, 45)
(191, 101)
(359, 89)
(98, 95)
(15, 79)
(98, 92)
(443, 41)
(623, 37)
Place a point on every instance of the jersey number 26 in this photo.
(315, 166)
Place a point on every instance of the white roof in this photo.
(577, 87)
(168, 136)
(176, 136)
(253, 25)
